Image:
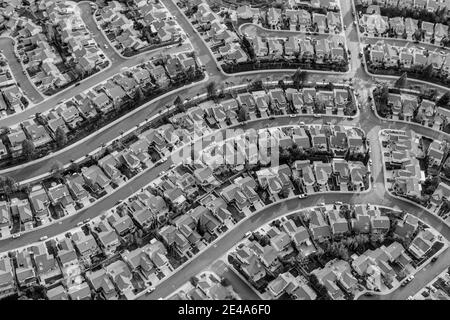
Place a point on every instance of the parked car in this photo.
(86, 220)
(79, 224)
(16, 235)
(43, 238)
(434, 259)
(247, 234)
(303, 196)
(150, 289)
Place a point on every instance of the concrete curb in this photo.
(42, 176)
(445, 247)
(242, 221)
(289, 31)
(402, 198)
(114, 48)
(106, 127)
(173, 152)
(409, 123)
(405, 40)
(45, 97)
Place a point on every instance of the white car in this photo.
(150, 289)
(322, 204)
(410, 298)
(106, 46)
(317, 115)
(16, 235)
(162, 173)
(302, 123)
(43, 238)
(247, 234)
(338, 203)
(292, 116)
(302, 196)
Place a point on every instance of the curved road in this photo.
(367, 120)
(365, 82)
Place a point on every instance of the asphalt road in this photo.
(91, 25)
(251, 30)
(367, 121)
(212, 253)
(405, 43)
(27, 87)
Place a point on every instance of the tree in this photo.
(345, 212)
(28, 149)
(418, 35)
(194, 281)
(8, 184)
(74, 167)
(225, 282)
(285, 155)
(402, 82)
(444, 100)
(430, 184)
(61, 137)
(242, 116)
(248, 47)
(298, 78)
(282, 85)
(427, 71)
(211, 89)
(284, 192)
(56, 170)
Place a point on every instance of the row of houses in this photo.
(63, 265)
(377, 267)
(43, 61)
(84, 50)
(430, 5)
(208, 287)
(100, 100)
(317, 50)
(401, 154)
(222, 39)
(309, 100)
(150, 15)
(299, 20)
(407, 28)
(12, 98)
(408, 58)
(412, 108)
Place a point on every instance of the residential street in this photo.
(251, 30)
(6, 44)
(367, 120)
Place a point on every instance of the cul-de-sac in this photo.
(224, 150)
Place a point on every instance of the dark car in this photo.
(434, 259)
